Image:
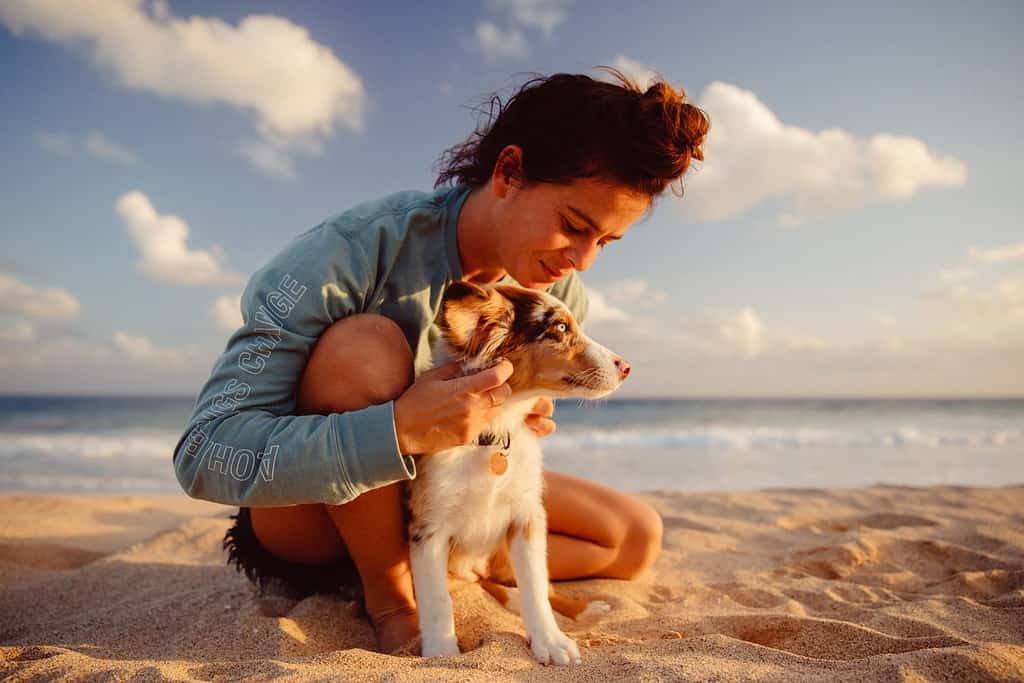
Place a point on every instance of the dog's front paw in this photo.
(554, 647)
(439, 646)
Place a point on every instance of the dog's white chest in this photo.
(457, 492)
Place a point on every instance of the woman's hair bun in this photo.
(575, 126)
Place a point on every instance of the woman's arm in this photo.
(242, 444)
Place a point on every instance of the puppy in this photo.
(468, 502)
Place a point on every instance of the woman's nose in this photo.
(582, 257)
(623, 366)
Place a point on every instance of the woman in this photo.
(317, 408)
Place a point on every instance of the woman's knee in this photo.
(641, 543)
(360, 360)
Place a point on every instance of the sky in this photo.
(854, 230)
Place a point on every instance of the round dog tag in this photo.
(499, 463)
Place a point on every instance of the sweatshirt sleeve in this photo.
(242, 444)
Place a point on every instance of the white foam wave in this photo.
(160, 444)
(771, 438)
(94, 484)
(86, 445)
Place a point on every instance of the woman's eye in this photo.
(568, 227)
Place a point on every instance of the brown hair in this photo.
(573, 126)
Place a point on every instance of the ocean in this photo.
(124, 444)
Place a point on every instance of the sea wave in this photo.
(151, 444)
(157, 444)
(97, 484)
(772, 438)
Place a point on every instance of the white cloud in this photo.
(296, 89)
(227, 311)
(72, 363)
(751, 156)
(698, 354)
(1004, 254)
(545, 15)
(731, 332)
(57, 354)
(903, 165)
(57, 143)
(142, 349)
(882, 319)
(973, 290)
(634, 291)
(162, 239)
(49, 302)
(97, 144)
(270, 159)
(1003, 301)
(786, 339)
(600, 311)
(643, 74)
(507, 40)
(498, 44)
(735, 333)
(953, 276)
(19, 331)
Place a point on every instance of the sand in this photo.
(882, 583)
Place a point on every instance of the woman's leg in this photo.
(359, 361)
(597, 531)
(593, 531)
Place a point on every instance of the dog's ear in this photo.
(474, 319)
(460, 289)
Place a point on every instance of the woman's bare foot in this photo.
(396, 628)
(391, 606)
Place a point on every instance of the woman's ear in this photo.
(508, 169)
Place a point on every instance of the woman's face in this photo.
(549, 230)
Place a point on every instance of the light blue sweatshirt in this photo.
(243, 445)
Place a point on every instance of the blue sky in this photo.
(855, 228)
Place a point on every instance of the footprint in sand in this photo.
(915, 566)
(662, 594)
(47, 555)
(749, 596)
(842, 525)
(677, 522)
(818, 638)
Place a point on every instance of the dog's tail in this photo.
(574, 608)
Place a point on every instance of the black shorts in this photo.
(292, 579)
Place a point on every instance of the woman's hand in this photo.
(539, 418)
(441, 410)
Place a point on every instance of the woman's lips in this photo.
(551, 273)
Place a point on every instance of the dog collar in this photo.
(499, 459)
(488, 437)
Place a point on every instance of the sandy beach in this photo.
(879, 583)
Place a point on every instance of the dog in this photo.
(471, 503)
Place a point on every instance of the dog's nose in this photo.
(623, 366)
